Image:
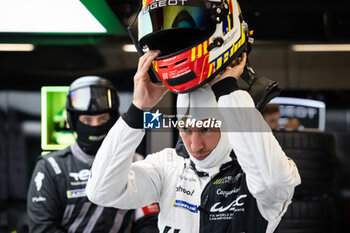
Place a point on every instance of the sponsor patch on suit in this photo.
(186, 205)
(76, 193)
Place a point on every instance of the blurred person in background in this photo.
(293, 123)
(56, 198)
(271, 115)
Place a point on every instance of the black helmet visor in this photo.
(92, 99)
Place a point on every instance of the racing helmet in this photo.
(197, 39)
(91, 95)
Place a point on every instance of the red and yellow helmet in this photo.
(197, 39)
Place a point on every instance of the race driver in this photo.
(56, 198)
(218, 181)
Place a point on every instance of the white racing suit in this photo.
(249, 194)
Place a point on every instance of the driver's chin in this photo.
(200, 155)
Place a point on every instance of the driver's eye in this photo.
(185, 129)
(86, 120)
(206, 130)
(102, 120)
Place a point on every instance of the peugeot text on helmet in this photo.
(197, 39)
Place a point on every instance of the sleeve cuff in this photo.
(225, 87)
(134, 117)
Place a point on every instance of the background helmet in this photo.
(197, 39)
(91, 95)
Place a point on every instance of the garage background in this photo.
(58, 59)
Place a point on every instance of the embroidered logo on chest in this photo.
(79, 178)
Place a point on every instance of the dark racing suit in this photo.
(227, 205)
(57, 201)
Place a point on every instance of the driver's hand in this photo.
(235, 69)
(146, 93)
